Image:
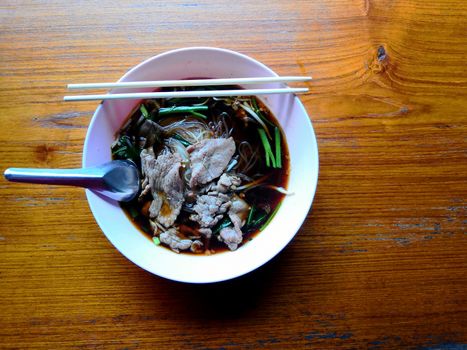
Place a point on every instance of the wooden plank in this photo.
(381, 260)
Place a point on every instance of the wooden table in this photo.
(381, 260)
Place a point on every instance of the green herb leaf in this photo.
(125, 149)
(156, 240)
(144, 111)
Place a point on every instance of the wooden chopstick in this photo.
(191, 82)
(172, 94)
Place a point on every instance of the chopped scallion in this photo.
(156, 240)
(182, 109)
(223, 224)
(182, 140)
(255, 217)
(199, 115)
(133, 212)
(144, 111)
(254, 104)
(270, 161)
(250, 215)
(255, 116)
(259, 220)
(277, 135)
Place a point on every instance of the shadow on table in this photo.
(228, 299)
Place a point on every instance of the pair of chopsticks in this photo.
(193, 82)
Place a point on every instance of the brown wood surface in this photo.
(381, 260)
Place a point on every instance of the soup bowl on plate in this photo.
(303, 173)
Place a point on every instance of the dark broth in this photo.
(263, 199)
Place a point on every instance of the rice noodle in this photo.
(177, 147)
(220, 127)
(248, 157)
(191, 131)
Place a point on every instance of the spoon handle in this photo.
(88, 178)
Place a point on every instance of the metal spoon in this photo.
(118, 179)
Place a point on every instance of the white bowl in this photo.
(211, 63)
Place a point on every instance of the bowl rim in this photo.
(294, 230)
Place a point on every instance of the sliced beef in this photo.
(171, 238)
(155, 206)
(177, 241)
(238, 212)
(146, 189)
(164, 178)
(209, 195)
(206, 232)
(147, 161)
(209, 210)
(226, 183)
(189, 232)
(209, 158)
(196, 246)
(231, 237)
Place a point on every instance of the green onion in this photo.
(259, 220)
(156, 240)
(258, 111)
(250, 215)
(277, 135)
(199, 115)
(255, 104)
(223, 224)
(133, 212)
(182, 140)
(144, 111)
(182, 109)
(250, 111)
(255, 217)
(270, 161)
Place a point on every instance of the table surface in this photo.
(380, 261)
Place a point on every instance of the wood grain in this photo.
(380, 262)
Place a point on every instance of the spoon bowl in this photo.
(117, 180)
